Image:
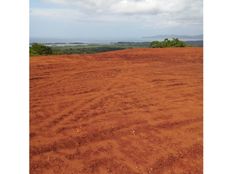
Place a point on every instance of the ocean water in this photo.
(78, 41)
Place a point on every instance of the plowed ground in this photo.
(135, 111)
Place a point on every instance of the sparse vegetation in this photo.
(84, 49)
(175, 42)
(41, 49)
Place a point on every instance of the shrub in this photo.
(39, 49)
(175, 42)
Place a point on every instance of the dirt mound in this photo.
(135, 111)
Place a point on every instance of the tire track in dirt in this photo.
(100, 95)
(130, 111)
(164, 163)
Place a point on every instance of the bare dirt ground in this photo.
(135, 111)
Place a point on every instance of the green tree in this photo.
(175, 42)
(39, 49)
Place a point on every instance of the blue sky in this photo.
(114, 19)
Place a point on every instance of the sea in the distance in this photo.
(80, 41)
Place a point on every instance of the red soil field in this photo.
(134, 111)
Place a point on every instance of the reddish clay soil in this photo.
(135, 111)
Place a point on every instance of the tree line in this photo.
(175, 42)
(40, 49)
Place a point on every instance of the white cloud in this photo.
(136, 7)
(130, 6)
(55, 13)
(162, 13)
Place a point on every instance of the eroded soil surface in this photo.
(135, 111)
